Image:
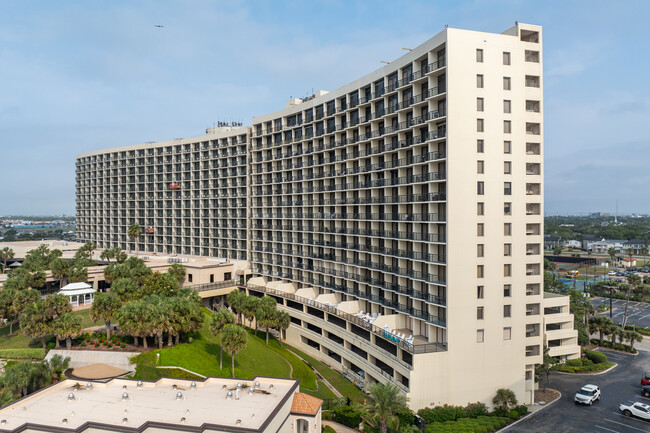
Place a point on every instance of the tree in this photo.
(57, 365)
(39, 259)
(557, 250)
(177, 272)
(236, 300)
(105, 306)
(266, 314)
(6, 302)
(56, 306)
(633, 281)
(219, 320)
(612, 330)
(643, 290)
(282, 322)
(599, 324)
(234, 339)
(504, 399)
(21, 300)
(60, 269)
(134, 233)
(250, 309)
(612, 254)
(545, 367)
(34, 321)
(158, 284)
(160, 316)
(630, 254)
(644, 253)
(384, 402)
(107, 255)
(120, 256)
(6, 254)
(126, 289)
(78, 272)
(633, 336)
(66, 327)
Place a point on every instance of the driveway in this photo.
(619, 384)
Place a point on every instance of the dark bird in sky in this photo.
(158, 25)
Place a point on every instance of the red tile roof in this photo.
(305, 404)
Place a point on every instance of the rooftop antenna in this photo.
(409, 49)
(384, 61)
(616, 214)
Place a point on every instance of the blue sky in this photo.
(77, 76)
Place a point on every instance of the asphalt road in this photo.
(638, 313)
(619, 384)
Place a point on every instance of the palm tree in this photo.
(505, 399)
(612, 330)
(66, 327)
(612, 253)
(107, 255)
(385, 400)
(21, 300)
(643, 290)
(236, 300)
(177, 272)
(234, 339)
(34, 321)
(250, 310)
(134, 233)
(57, 365)
(633, 336)
(56, 306)
(630, 254)
(282, 322)
(599, 324)
(6, 254)
(60, 269)
(104, 307)
(633, 281)
(219, 320)
(644, 253)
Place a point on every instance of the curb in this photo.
(531, 414)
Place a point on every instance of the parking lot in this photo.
(618, 385)
(638, 312)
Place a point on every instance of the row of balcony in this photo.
(387, 234)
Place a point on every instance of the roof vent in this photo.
(193, 385)
(139, 384)
(125, 396)
(3, 422)
(224, 387)
(229, 395)
(125, 420)
(250, 389)
(238, 422)
(89, 386)
(179, 395)
(125, 411)
(70, 396)
(123, 386)
(253, 416)
(174, 387)
(183, 420)
(238, 385)
(271, 386)
(64, 420)
(257, 384)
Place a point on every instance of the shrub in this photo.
(514, 414)
(328, 429)
(474, 410)
(123, 346)
(574, 362)
(50, 346)
(442, 413)
(22, 353)
(595, 357)
(639, 329)
(522, 409)
(346, 416)
(83, 344)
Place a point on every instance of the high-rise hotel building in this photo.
(399, 218)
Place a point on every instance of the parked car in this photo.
(611, 273)
(588, 394)
(645, 390)
(640, 410)
(645, 380)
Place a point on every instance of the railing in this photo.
(212, 286)
(331, 309)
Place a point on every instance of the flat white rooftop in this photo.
(206, 403)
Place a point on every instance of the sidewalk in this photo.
(339, 428)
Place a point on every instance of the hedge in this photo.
(482, 424)
(595, 357)
(640, 329)
(22, 353)
(328, 429)
(347, 416)
(587, 367)
(618, 346)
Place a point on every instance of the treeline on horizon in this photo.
(576, 227)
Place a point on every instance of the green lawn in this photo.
(344, 386)
(21, 341)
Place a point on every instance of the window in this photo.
(479, 313)
(506, 290)
(479, 81)
(479, 292)
(479, 125)
(189, 278)
(507, 270)
(531, 56)
(479, 271)
(506, 127)
(506, 106)
(507, 167)
(507, 188)
(506, 58)
(480, 335)
(507, 229)
(506, 311)
(212, 278)
(507, 333)
(479, 104)
(507, 147)
(479, 55)
(227, 276)
(507, 249)
(479, 229)
(479, 250)
(479, 167)
(507, 208)
(506, 83)
(479, 146)
(480, 208)
(480, 188)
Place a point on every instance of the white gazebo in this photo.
(79, 294)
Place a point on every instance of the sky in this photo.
(77, 76)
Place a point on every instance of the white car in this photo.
(630, 408)
(588, 394)
(611, 273)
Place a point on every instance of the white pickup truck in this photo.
(640, 410)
